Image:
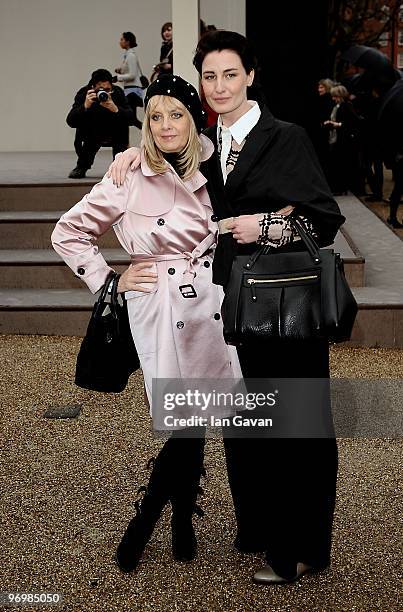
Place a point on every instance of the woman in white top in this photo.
(129, 73)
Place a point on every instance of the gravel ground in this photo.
(68, 489)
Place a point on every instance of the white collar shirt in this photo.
(237, 131)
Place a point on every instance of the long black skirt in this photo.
(284, 489)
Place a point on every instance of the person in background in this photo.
(343, 133)
(129, 74)
(212, 116)
(166, 54)
(165, 65)
(324, 105)
(101, 116)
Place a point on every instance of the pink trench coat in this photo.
(169, 222)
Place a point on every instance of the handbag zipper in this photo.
(252, 282)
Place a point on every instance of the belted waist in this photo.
(191, 256)
(222, 225)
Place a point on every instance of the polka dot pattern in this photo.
(176, 87)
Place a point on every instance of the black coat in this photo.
(97, 120)
(276, 167)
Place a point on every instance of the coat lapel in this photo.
(215, 185)
(256, 141)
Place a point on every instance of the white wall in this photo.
(48, 49)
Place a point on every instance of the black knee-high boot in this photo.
(185, 488)
(140, 528)
(175, 476)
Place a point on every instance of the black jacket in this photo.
(277, 166)
(97, 118)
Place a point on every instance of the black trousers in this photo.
(284, 489)
(88, 145)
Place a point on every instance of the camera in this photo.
(102, 95)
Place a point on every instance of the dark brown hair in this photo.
(218, 40)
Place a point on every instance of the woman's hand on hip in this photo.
(135, 274)
(119, 167)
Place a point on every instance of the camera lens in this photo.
(102, 95)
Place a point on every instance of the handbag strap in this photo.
(306, 238)
(112, 276)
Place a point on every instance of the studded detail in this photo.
(171, 270)
(214, 218)
(180, 325)
(81, 271)
(206, 264)
(161, 221)
(217, 316)
(168, 91)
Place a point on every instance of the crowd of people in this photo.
(348, 145)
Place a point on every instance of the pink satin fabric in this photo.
(168, 222)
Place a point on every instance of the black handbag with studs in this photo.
(107, 355)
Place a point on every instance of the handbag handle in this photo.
(311, 246)
(308, 240)
(112, 276)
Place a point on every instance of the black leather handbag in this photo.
(107, 354)
(299, 295)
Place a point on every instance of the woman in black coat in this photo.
(283, 489)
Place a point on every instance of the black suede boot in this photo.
(185, 488)
(140, 528)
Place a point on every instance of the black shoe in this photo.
(394, 223)
(77, 173)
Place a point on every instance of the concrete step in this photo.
(44, 269)
(63, 312)
(60, 196)
(66, 312)
(31, 229)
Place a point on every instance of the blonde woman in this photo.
(343, 133)
(163, 218)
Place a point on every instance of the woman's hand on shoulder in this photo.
(120, 166)
(135, 274)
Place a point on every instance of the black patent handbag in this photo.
(107, 355)
(299, 295)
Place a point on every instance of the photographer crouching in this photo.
(101, 116)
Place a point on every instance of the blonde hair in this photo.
(327, 84)
(340, 91)
(189, 157)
